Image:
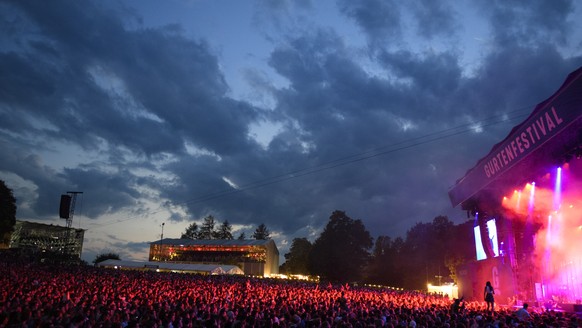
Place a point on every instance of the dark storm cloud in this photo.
(125, 250)
(514, 22)
(106, 193)
(31, 168)
(343, 111)
(90, 77)
(128, 250)
(379, 19)
(61, 67)
(180, 83)
(422, 70)
(66, 96)
(328, 86)
(434, 18)
(175, 79)
(337, 105)
(383, 23)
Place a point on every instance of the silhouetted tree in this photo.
(242, 236)
(417, 246)
(191, 231)
(105, 256)
(461, 249)
(441, 246)
(224, 231)
(7, 213)
(385, 266)
(297, 260)
(430, 250)
(427, 246)
(262, 233)
(341, 251)
(378, 264)
(398, 256)
(206, 231)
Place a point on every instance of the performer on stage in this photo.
(489, 299)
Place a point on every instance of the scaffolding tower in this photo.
(42, 238)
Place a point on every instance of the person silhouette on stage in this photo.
(488, 295)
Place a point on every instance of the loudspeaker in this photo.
(65, 207)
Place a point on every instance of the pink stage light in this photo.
(552, 210)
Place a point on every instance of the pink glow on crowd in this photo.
(555, 207)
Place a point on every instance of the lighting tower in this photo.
(73, 200)
(67, 211)
(162, 241)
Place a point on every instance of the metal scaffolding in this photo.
(39, 237)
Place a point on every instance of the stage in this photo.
(525, 198)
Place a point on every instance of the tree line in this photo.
(209, 230)
(346, 252)
(7, 213)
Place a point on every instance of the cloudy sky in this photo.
(272, 111)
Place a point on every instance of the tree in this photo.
(380, 263)
(462, 248)
(417, 244)
(433, 251)
(341, 251)
(385, 266)
(224, 231)
(207, 229)
(105, 256)
(262, 233)
(242, 236)
(191, 231)
(7, 213)
(428, 245)
(297, 260)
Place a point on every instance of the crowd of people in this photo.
(34, 295)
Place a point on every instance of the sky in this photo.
(276, 112)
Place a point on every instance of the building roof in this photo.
(44, 226)
(169, 266)
(212, 242)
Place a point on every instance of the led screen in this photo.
(479, 245)
(489, 245)
(492, 230)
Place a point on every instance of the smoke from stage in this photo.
(549, 211)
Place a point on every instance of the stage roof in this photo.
(546, 139)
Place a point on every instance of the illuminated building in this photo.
(39, 237)
(254, 257)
